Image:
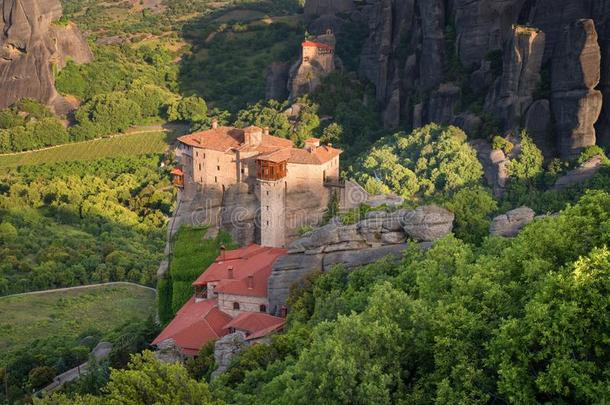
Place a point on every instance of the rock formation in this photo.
(378, 235)
(225, 349)
(323, 7)
(317, 61)
(514, 90)
(415, 47)
(538, 124)
(510, 224)
(575, 102)
(579, 175)
(30, 45)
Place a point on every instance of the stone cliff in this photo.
(378, 235)
(31, 46)
(438, 60)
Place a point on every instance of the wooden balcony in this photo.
(270, 171)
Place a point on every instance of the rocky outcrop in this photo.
(432, 20)
(483, 26)
(225, 349)
(322, 7)
(315, 63)
(443, 104)
(510, 224)
(277, 77)
(579, 175)
(538, 125)
(378, 235)
(169, 352)
(514, 90)
(495, 166)
(30, 45)
(575, 74)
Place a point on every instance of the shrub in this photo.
(429, 160)
(590, 152)
(503, 144)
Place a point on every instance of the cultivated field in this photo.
(139, 143)
(24, 319)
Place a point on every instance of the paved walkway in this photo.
(100, 352)
(80, 287)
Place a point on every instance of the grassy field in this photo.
(68, 313)
(122, 145)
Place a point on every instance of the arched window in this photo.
(263, 308)
(236, 306)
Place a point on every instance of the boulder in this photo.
(225, 349)
(428, 223)
(511, 223)
(492, 161)
(575, 74)
(469, 123)
(169, 352)
(579, 175)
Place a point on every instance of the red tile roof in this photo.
(177, 172)
(252, 260)
(224, 139)
(317, 156)
(312, 44)
(195, 324)
(271, 148)
(257, 324)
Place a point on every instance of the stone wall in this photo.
(246, 304)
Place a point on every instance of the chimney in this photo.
(311, 144)
(214, 123)
(250, 282)
(230, 271)
(266, 131)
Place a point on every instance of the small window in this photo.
(236, 306)
(218, 168)
(199, 166)
(215, 179)
(243, 171)
(267, 192)
(204, 155)
(197, 154)
(263, 308)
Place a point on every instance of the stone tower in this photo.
(272, 186)
(273, 212)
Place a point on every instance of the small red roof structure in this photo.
(312, 44)
(253, 323)
(194, 325)
(243, 272)
(177, 172)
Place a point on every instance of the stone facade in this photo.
(246, 304)
(258, 187)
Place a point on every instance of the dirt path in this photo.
(80, 287)
(134, 131)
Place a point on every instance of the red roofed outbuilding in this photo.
(231, 295)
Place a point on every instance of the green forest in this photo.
(474, 319)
